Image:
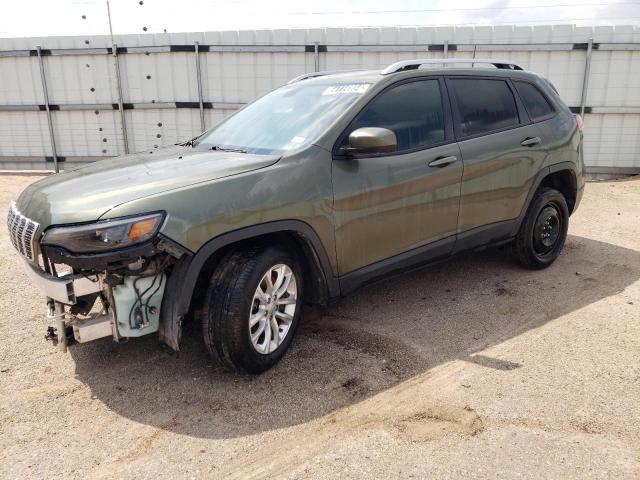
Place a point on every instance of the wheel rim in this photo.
(273, 308)
(547, 229)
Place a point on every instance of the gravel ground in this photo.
(474, 368)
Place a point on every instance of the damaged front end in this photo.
(101, 279)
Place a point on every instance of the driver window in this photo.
(413, 111)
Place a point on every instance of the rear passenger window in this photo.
(534, 101)
(484, 105)
(413, 111)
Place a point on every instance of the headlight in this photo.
(104, 235)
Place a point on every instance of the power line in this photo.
(492, 23)
(426, 10)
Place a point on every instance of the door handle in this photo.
(443, 161)
(531, 141)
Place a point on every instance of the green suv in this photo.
(325, 184)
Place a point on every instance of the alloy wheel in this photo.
(273, 308)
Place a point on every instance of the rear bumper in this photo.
(64, 289)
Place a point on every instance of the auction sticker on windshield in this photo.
(347, 88)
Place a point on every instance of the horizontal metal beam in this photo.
(399, 47)
(127, 106)
(618, 110)
(377, 48)
(439, 47)
(613, 170)
(617, 46)
(518, 47)
(159, 49)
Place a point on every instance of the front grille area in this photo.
(21, 230)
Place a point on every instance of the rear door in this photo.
(502, 151)
(391, 203)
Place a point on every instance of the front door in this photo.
(389, 204)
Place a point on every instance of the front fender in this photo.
(182, 281)
(170, 329)
(297, 187)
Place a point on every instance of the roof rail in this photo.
(415, 64)
(305, 76)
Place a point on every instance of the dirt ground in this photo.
(474, 368)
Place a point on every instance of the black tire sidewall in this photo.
(234, 337)
(525, 241)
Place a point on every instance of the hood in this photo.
(86, 193)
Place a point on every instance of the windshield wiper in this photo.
(189, 143)
(224, 149)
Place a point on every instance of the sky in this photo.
(25, 18)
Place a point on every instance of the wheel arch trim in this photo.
(542, 174)
(205, 252)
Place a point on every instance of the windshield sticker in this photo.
(298, 140)
(348, 88)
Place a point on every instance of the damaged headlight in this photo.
(104, 235)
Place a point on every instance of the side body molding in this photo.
(183, 280)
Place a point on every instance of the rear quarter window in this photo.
(484, 105)
(534, 101)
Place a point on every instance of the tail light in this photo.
(579, 122)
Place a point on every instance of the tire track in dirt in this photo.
(409, 411)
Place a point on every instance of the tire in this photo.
(543, 231)
(233, 301)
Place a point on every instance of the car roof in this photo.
(412, 68)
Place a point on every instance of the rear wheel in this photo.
(253, 308)
(543, 231)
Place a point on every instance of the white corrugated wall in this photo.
(159, 82)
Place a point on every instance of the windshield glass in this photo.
(290, 117)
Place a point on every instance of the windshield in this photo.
(288, 118)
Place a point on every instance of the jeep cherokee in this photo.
(322, 185)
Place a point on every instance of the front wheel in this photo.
(543, 230)
(252, 308)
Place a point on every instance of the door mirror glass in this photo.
(371, 140)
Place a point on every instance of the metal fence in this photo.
(69, 100)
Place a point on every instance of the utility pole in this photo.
(109, 15)
(114, 51)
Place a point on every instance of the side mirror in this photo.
(371, 140)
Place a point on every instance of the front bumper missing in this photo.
(84, 330)
(132, 307)
(63, 289)
(66, 290)
(94, 328)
